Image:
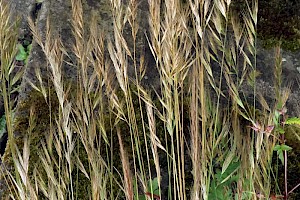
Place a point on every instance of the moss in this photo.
(42, 115)
(35, 100)
(293, 166)
(82, 186)
(165, 140)
(43, 112)
(278, 22)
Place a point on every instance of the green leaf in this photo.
(155, 188)
(141, 197)
(277, 147)
(29, 47)
(280, 130)
(22, 54)
(21, 49)
(280, 149)
(276, 118)
(21, 57)
(279, 105)
(293, 120)
(280, 156)
(285, 147)
(228, 174)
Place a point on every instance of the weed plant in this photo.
(111, 137)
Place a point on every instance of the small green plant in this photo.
(194, 122)
(281, 121)
(219, 188)
(153, 191)
(23, 53)
(280, 148)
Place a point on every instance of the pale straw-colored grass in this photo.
(204, 54)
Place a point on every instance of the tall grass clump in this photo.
(111, 136)
(10, 77)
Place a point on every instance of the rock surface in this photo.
(59, 12)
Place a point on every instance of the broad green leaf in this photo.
(155, 188)
(280, 149)
(21, 57)
(277, 147)
(230, 171)
(285, 147)
(293, 120)
(279, 152)
(22, 54)
(141, 197)
(280, 156)
(21, 49)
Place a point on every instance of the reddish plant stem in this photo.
(285, 160)
(286, 193)
(285, 176)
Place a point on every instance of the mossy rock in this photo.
(278, 22)
(293, 140)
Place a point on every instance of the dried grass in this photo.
(185, 40)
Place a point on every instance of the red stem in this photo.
(285, 162)
(285, 176)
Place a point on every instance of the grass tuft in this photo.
(105, 135)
